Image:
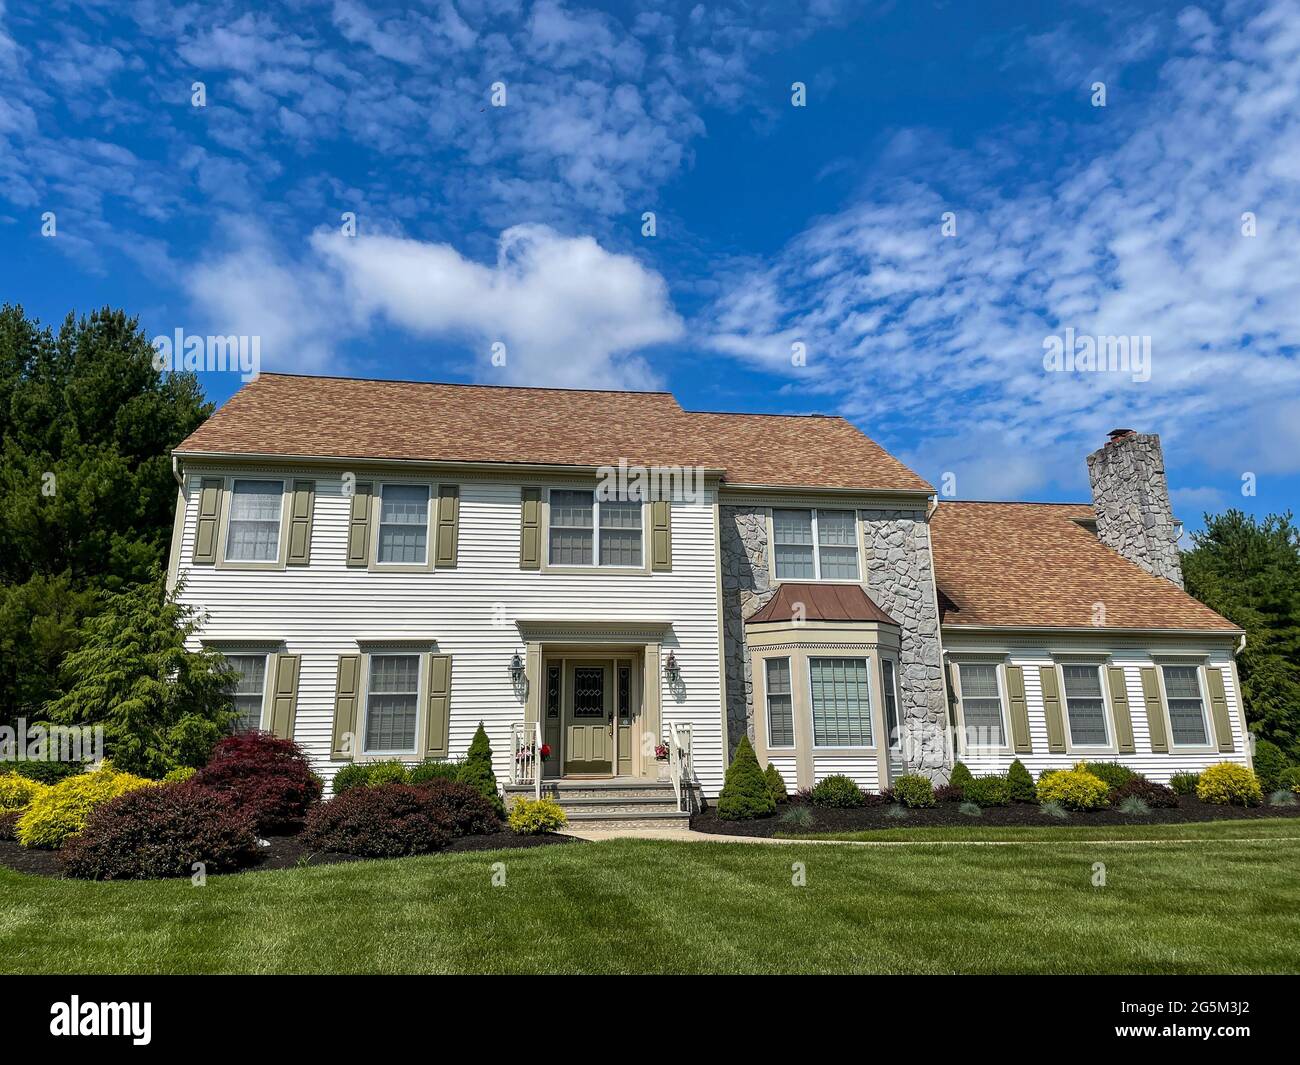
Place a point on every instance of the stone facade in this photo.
(899, 579)
(1131, 498)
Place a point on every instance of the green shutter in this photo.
(530, 528)
(445, 552)
(301, 507)
(284, 696)
(1119, 704)
(438, 719)
(1155, 711)
(359, 526)
(661, 535)
(1019, 711)
(1219, 704)
(1052, 709)
(205, 536)
(346, 701)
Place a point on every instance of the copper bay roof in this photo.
(346, 418)
(820, 602)
(1033, 565)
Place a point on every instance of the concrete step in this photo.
(563, 790)
(629, 819)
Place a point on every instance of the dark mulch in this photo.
(827, 819)
(285, 852)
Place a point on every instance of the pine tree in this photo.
(1022, 783)
(775, 784)
(745, 792)
(476, 770)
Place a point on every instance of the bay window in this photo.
(841, 702)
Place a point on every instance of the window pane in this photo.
(571, 528)
(620, 533)
(792, 533)
(253, 533)
(392, 702)
(404, 523)
(1085, 706)
(836, 528)
(981, 704)
(794, 563)
(891, 703)
(570, 547)
(780, 709)
(839, 563)
(840, 703)
(571, 510)
(247, 690)
(792, 526)
(1186, 711)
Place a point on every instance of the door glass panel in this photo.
(553, 691)
(624, 695)
(588, 691)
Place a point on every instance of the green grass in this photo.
(1056, 831)
(653, 906)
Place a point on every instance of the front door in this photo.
(589, 733)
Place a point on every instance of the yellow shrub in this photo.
(530, 817)
(17, 792)
(62, 810)
(1229, 784)
(180, 773)
(1075, 789)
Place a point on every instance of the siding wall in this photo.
(864, 772)
(321, 610)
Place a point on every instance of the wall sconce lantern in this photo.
(671, 669)
(516, 669)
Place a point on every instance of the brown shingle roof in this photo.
(336, 417)
(820, 602)
(1032, 565)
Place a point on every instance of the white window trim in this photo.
(1109, 747)
(767, 706)
(895, 742)
(429, 528)
(268, 664)
(223, 527)
(809, 655)
(816, 546)
(595, 564)
(999, 677)
(420, 700)
(1207, 719)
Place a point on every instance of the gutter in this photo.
(1049, 630)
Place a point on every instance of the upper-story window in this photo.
(403, 524)
(253, 530)
(587, 531)
(815, 544)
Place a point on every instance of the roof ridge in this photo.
(472, 384)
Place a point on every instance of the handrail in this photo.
(679, 763)
(525, 762)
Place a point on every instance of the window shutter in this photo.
(284, 696)
(346, 696)
(1155, 711)
(1119, 703)
(205, 536)
(1219, 705)
(446, 550)
(301, 509)
(1052, 709)
(661, 535)
(359, 525)
(438, 719)
(530, 528)
(1019, 711)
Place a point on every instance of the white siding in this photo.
(789, 773)
(321, 610)
(864, 772)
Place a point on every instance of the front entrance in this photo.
(589, 728)
(593, 713)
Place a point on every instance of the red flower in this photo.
(546, 751)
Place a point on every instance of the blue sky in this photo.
(776, 225)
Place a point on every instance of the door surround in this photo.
(623, 720)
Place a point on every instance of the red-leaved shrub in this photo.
(267, 776)
(392, 820)
(1149, 792)
(470, 812)
(9, 823)
(160, 832)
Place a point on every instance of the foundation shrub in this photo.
(1074, 789)
(1021, 782)
(62, 810)
(387, 821)
(533, 817)
(837, 791)
(1112, 773)
(476, 770)
(1270, 762)
(745, 794)
(775, 784)
(1184, 783)
(1154, 795)
(17, 793)
(267, 776)
(914, 790)
(989, 791)
(1229, 784)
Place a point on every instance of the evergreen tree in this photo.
(476, 770)
(775, 784)
(745, 792)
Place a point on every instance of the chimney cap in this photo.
(1119, 434)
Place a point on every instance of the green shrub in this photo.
(432, 769)
(58, 812)
(50, 772)
(799, 816)
(533, 817)
(387, 772)
(1053, 809)
(1184, 783)
(971, 809)
(745, 793)
(775, 784)
(1290, 778)
(476, 770)
(914, 790)
(179, 774)
(1270, 763)
(17, 793)
(989, 791)
(1022, 784)
(1075, 789)
(1133, 806)
(1229, 784)
(352, 775)
(837, 790)
(1112, 773)
(961, 776)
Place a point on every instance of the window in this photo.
(248, 692)
(404, 524)
(1085, 705)
(584, 528)
(253, 532)
(780, 707)
(891, 704)
(815, 544)
(1186, 710)
(981, 705)
(841, 706)
(552, 691)
(392, 703)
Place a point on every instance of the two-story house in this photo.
(387, 564)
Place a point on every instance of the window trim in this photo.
(1107, 711)
(269, 657)
(595, 566)
(421, 653)
(1211, 743)
(223, 522)
(816, 546)
(999, 677)
(811, 653)
(430, 526)
(767, 707)
(895, 742)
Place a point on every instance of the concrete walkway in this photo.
(683, 835)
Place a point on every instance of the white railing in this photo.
(679, 763)
(525, 758)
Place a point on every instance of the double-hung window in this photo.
(1186, 707)
(403, 524)
(841, 702)
(981, 705)
(780, 703)
(249, 690)
(815, 544)
(587, 531)
(253, 527)
(1085, 705)
(392, 704)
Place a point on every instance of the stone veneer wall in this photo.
(1131, 498)
(899, 580)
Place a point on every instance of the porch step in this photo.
(563, 790)
(614, 803)
(630, 819)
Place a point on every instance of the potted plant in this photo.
(661, 760)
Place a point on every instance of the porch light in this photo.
(517, 668)
(671, 669)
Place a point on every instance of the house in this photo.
(596, 574)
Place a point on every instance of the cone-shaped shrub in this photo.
(961, 776)
(775, 784)
(1022, 783)
(745, 793)
(476, 770)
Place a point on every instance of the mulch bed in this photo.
(830, 819)
(285, 852)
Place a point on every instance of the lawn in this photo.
(1217, 905)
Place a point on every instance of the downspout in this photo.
(176, 473)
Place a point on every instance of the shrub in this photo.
(476, 770)
(799, 816)
(1229, 784)
(745, 793)
(948, 793)
(1054, 809)
(1133, 806)
(1157, 795)
(1184, 783)
(961, 776)
(434, 770)
(61, 810)
(352, 775)
(390, 772)
(837, 790)
(1075, 789)
(471, 813)
(1290, 778)
(914, 790)
(1112, 773)
(897, 811)
(989, 791)
(971, 809)
(9, 824)
(1270, 763)
(1022, 784)
(50, 772)
(775, 784)
(268, 776)
(179, 774)
(389, 821)
(1282, 797)
(17, 793)
(162, 832)
(532, 817)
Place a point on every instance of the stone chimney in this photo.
(1131, 499)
